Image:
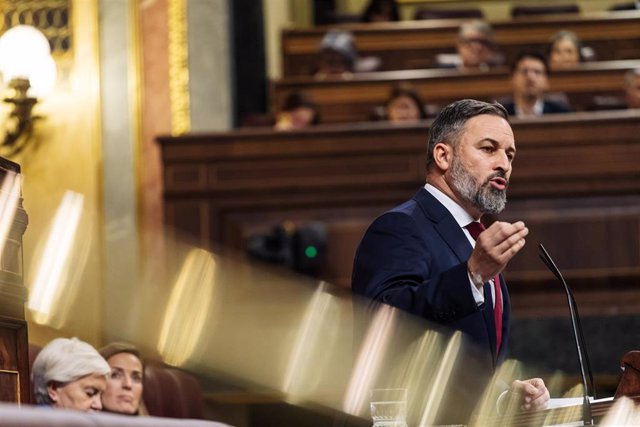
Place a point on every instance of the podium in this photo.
(14, 358)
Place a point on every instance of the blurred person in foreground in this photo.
(530, 80)
(69, 374)
(381, 11)
(297, 112)
(404, 105)
(430, 256)
(564, 50)
(476, 46)
(632, 88)
(125, 382)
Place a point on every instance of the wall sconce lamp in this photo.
(29, 72)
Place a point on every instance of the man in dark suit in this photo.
(530, 79)
(426, 256)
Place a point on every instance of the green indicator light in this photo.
(311, 251)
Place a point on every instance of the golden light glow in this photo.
(314, 342)
(570, 413)
(188, 308)
(416, 373)
(486, 410)
(369, 360)
(434, 401)
(9, 197)
(52, 271)
(624, 412)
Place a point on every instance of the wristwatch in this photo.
(476, 279)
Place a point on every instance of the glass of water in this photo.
(389, 407)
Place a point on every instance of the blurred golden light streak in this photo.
(309, 346)
(188, 308)
(567, 414)
(48, 284)
(418, 373)
(369, 359)
(9, 197)
(486, 410)
(441, 380)
(624, 412)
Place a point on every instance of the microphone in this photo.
(583, 357)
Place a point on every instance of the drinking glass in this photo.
(389, 407)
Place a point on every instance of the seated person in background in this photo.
(124, 385)
(565, 50)
(338, 54)
(69, 374)
(381, 11)
(632, 88)
(338, 57)
(476, 46)
(404, 105)
(529, 76)
(298, 112)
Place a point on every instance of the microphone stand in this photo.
(583, 357)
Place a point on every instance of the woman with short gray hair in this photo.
(70, 374)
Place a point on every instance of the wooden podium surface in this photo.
(14, 359)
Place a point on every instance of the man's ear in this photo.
(442, 156)
(52, 391)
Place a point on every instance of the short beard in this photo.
(484, 197)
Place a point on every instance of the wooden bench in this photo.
(341, 100)
(414, 44)
(571, 171)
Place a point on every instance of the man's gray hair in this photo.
(630, 76)
(64, 360)
(448, 125)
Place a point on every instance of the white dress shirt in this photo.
(463, 219)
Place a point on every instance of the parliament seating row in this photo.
(351, 100)
(415, 44)
(571, 171)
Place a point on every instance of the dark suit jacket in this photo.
(549, 107)
(414, 257)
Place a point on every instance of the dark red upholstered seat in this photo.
(170, 392)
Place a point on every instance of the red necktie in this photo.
(475, 228)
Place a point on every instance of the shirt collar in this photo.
(538, 109)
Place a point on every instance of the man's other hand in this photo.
(495, 247)
(529, 395)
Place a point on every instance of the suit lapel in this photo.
(445, 224)
(450, 231)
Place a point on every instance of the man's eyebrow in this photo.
(496, 143)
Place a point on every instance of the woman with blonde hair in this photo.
(125, 383)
